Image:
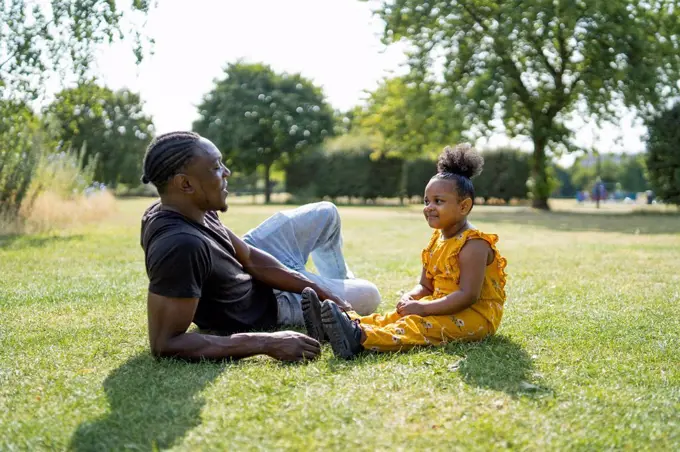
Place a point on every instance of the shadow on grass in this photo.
(152, 405)
(497, 363)
(625, 223)
(19, 242)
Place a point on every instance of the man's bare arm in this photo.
(266, 268)
(169, 318)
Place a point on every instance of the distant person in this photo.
(461, 292)
(200, 271)
(599, 191)
(650, 196)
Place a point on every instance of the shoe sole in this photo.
(331, 326)
(311, 312)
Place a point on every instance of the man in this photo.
(201, 271)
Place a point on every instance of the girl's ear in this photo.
(465, 206)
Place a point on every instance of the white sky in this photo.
(335, 43)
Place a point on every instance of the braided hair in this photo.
(166, 155)
(460, 164)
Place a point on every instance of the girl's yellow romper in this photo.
(391, 332)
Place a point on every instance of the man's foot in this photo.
(343, 333)
(311, 311)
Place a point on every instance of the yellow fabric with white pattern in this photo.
(391, 332)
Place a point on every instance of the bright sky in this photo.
(336, 43)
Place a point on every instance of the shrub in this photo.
(504, 176)
(347, 167)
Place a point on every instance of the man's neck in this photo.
(182, 207)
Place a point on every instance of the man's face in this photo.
(208, 177)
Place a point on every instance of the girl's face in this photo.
(443, 208)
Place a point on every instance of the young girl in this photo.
(461, 291)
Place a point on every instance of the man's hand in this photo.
(410, 307)
(292, 346)
(325, 295)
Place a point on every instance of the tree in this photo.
(19, 154)
(39, 38)
(588, 169)
(110, 125)
(633, 177)
(409, 118)
(566, 188)
(626, 172)
(534, 63)
(258, 117)
(663, 158)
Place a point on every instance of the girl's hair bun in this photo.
(462, 160)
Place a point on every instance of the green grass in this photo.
(586, 358)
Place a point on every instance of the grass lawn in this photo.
(587, 356)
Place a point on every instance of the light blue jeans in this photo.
(291, 236)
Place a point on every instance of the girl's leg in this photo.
(411, 331)
(376, 320)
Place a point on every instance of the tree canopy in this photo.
(110, 125)
(259, 117)
(410, 119)
(39, 38)
(532, 64)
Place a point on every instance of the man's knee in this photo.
(322, 213)
(367, 299)
(327, 208)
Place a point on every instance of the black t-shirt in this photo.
(185, 259)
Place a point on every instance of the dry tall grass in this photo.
(52, 212)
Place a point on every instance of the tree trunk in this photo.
(403, 183)
(267, 184)
(541, 188)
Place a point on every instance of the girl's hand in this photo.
(406, 297)
(410, 307)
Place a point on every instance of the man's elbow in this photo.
(161, 349)
(158, 352)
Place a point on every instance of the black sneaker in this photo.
(311, 311)
(343, 333)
